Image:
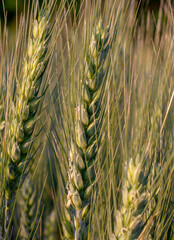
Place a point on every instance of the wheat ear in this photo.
(22, 114)
(81, 175)
(129, 220)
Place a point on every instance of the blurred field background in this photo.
(11, 11)
(10, 7)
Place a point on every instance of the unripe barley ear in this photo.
(28, 210)
(129, 220)
(81, 174)
(22, 113)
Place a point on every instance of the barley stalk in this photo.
(22, 118)
(129, 220)
(81, 174)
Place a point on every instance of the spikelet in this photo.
(28, 210)
(81, 174)
(22, 118)
(129, 220)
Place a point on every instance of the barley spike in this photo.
(22, 117)
(81, 174)
(129, 220)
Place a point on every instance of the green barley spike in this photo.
(129, 220)
(22, 118)
(81, 174)
(28, 211)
